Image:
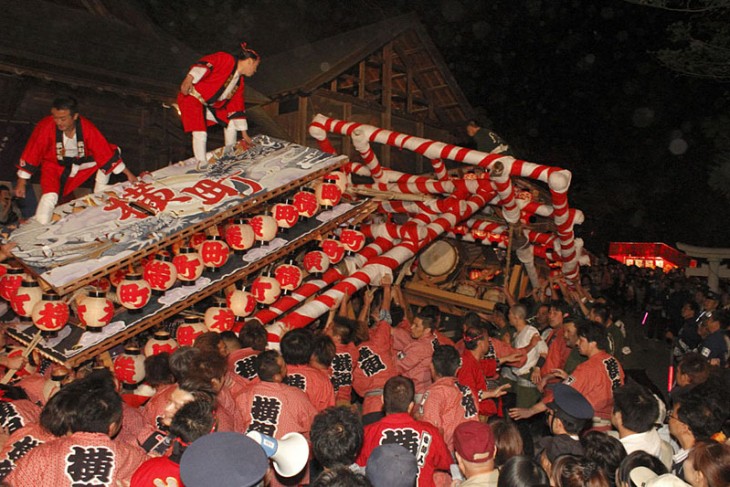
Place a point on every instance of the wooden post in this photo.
(302, 120)
(387, 98)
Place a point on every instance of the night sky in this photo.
(575, 84)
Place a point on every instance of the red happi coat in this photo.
(447, 404)
(315, 383)
(375, 364)
(596, 378)
(341, 371)
(45, 146)
(19, 444)
(275, 409)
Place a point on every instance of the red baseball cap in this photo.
(474, 441)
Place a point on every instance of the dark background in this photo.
(584, 85)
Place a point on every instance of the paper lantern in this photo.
(328, 193)
(334, 249)
(50, 314)
(306, 203)
(190, 329)
(316, 262)
(134, 292)
(214, 252)
(219, 317)
(11, 281)
(339, 178)
(264, 228)
(161, 342)
(265, 289)
(160, 273)
(353, 240)
(28, 294)
(95, 311)
(189, 265)
(30, 367)
(240, 236)
(196, 240)
(102, 284)
(285, 214)
(240, 301)
(289, 277)
(117, 276)
(129, 367)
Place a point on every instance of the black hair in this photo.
(66, 103)
(703, 411)
(521, 471)
(323, 349)
(398, 394)
(157, 370)
(575, 471)
(638, 458)
(98, 404)
(180, 361)
(608, 452)
(247, 53)
(602, 311)
(472, 337)
(341, 477)
(593, 332)
(230, 337)
(208, 366)
(430, 311)
(446, 360)
(561, 306)
(267, 365)
(296, 346)
(208, 342)
(337, 435)
(253, 335)
(507, 439)
(471, 319)
(639, 409)
(4, 187)
(695, 366)
(346, 329)
(193, 420)
(13, 393)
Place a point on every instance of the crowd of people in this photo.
(534, 393)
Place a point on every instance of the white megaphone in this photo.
(289, 454)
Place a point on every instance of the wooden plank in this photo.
(439, 295)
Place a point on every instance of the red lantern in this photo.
(265, 289)
(25, 298)
(352, 239)
(189, 265)
(11, 281)
(160, 273)
(117, 276)
(328, 193)
(95, 311)
(196, 240)
(190, 329)
(161, 342)
(285, 214)
(306, 203)
(289, 277)
(264, 227)
(316, 262)
(102, 284)
(240, 301)
(334, 249)
(219, 317)
(214, 253)
(50, 314)
(240, 236)
(134, 292)
(129, 367)
(339, 178)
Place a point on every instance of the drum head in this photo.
(439, 259)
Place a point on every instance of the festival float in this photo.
(281, 232)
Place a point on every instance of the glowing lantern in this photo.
(353, 240)
(190, 329)
(339, 178)
(316, 262)
(11, 281)
(334, 249)
(265, 289)
(214, 253)
(196, 240)
(306, 202)
(289, 277)
(134, 292)
(240, 301)
(189, 265)
(50, 314)
(240, 236)
(129, 367)
(219, 317)
(264, 227)
(30, 367)
(95, 311)
(160, 273)
(117, 276)
(28, 294)
(161, 342)
(285, 214)
(328, 193)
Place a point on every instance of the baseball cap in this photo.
(225, 459)
(391, 465)
(474, 441)
(645, 477)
